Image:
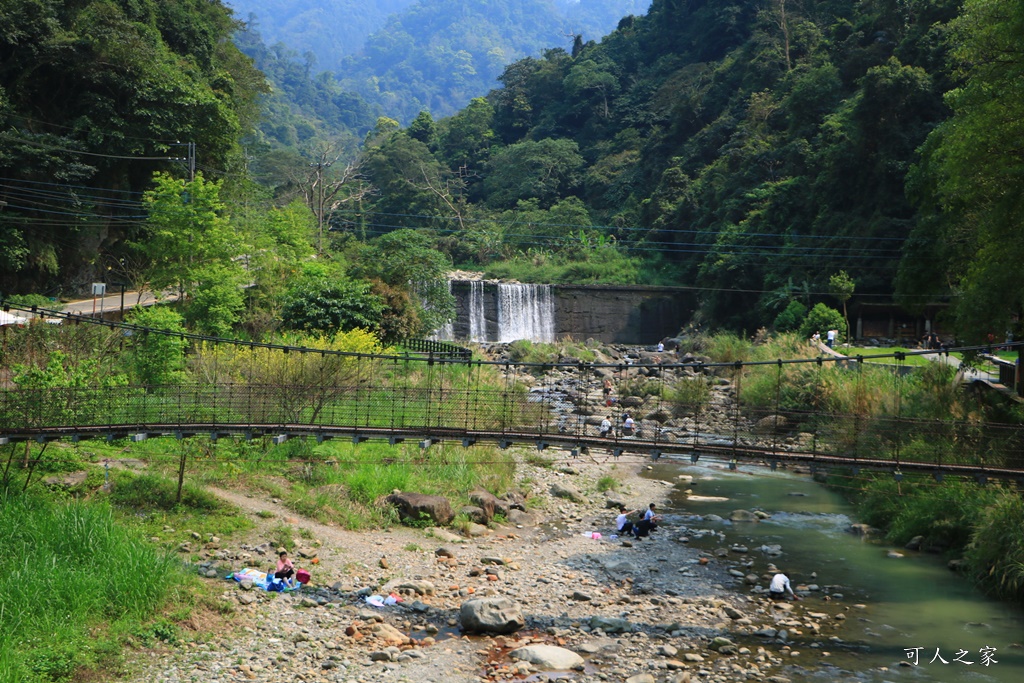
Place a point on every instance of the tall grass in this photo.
(345, 484)
(68, 575)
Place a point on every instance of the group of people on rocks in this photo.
(647, 521)
(628, 427)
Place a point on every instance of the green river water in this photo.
(913, 602)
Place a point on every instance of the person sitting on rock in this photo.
(779, 586)
(285, 568)
(628, 425)
(622, 523)
(606, 426)
(648, 524)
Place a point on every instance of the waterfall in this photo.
(477, 321)
(525, 312)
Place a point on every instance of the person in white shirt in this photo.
(779, 586)
(648, 524)
(628, 425)
(622, 523)
(606, 427)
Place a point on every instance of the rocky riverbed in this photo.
(654, 610)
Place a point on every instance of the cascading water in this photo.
(525, 312)
(477, 321)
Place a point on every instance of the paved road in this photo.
(111, 303)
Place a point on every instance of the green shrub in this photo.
(607, 483)
(995, 553)
(821, 319)
(689, 394)
(641, 386)
(790, 318)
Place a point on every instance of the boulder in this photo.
(914, 543)
(613, 501)
(548, 657)
(611, 624)
(491, 615)
(70, 480)
(478, 515)
(419, 507)
(515, 499)
(487, 502)
(521, 518)
(771, 424)
(742, 516)
(568, 492)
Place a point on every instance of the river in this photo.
(912, 602)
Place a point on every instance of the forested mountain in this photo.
(94, 97)
(438, 54)
(303, 112)
(326, 29)
(750, 148)
(406, 56)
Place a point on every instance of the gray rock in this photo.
(611, 624)
(523, 518)
(416, 507)
(771, 424)
(488, 503)
(476, 514)
(742, 516)
(719, 642)
(491, 615)
(581, 596)
(914, 543)
(246, 598)
(548, 657)
(568, 492)
(641, 678)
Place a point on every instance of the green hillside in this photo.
(751, 149)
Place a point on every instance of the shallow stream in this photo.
(911, 602)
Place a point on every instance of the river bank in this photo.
(647, 610)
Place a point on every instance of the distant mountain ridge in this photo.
(328, 29)
(431, 55)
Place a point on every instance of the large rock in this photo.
(419, 507)
(611, 624)
(491, 615)
(771, 424)
(568, 492)
(548, 657)
(515, 500)
(487, 502)
(478, 515)
(614, 500)
(521, 518)
(743, 516)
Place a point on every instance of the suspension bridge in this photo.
(435, 392)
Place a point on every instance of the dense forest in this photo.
(753, 150)
(405, 56)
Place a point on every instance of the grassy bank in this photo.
(75, 586)
(981, 525)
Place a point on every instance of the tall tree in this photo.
(971, 179)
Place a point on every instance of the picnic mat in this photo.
(263, 581)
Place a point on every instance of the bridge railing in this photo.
(452, 406)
